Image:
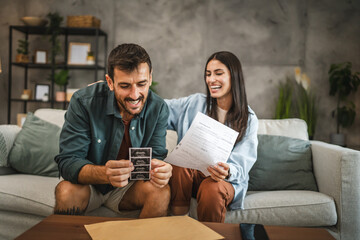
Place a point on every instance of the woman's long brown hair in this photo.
(237, 116)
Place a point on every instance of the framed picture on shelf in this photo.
(21, 119)
(42, 92)
(78, 52)
(40, 56)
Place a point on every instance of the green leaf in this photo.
(23, 47)
(342, 83)
(284, 101)
(152, 87)
(61, 78)
(54, 30)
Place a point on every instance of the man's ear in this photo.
(150, 78)
(110, 82)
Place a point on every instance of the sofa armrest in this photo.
(337, 172)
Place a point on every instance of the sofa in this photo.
(26, 199)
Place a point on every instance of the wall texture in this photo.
(270, 38)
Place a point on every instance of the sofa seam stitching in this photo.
(13, 195)
(313, 204)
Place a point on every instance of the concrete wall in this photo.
(270, 38)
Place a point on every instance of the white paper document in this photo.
(206, 143)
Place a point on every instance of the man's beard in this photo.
(122, 103)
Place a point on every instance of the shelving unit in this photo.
(66, 32)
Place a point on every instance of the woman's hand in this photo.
(219, 172)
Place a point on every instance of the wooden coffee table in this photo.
(72, 227)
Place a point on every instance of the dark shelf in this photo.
(48, 66)
(64, 30)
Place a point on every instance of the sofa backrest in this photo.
(54, 116)
(292, 127)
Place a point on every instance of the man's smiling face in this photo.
(131, 89)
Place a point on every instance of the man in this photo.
(103, 120)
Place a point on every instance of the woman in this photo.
(225, 102)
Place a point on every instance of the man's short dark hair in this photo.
(127, 57)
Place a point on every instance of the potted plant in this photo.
(90, 59)
(284, 101)
(22, 51)
(297, 100)
(54, 31)
(306, 101)
(60, 78)
(342, 83)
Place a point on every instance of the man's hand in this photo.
(219, 172)
(118, 172)
(160, 173)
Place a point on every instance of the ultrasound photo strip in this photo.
(141, 168)
(140, 161)
(140, 152)
(140, 176)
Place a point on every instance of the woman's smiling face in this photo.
(218, 79)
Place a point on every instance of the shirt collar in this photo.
(111, 108)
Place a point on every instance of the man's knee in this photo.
(152, 192)
(67, 192)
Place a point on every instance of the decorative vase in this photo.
(338, 139)
(45, 98)
(60, 96)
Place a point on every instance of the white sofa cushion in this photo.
(171, 140)
(291, 127)
(54, 116)
(293, 207)
(29, 194)
(283, 208)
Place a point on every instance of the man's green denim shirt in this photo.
(93, 130)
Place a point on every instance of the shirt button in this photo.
(132, 128)
(99, 140)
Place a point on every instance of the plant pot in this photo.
(90, 60)
(27, 92)
(338, 139)
(60, 96)
(22, 58)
